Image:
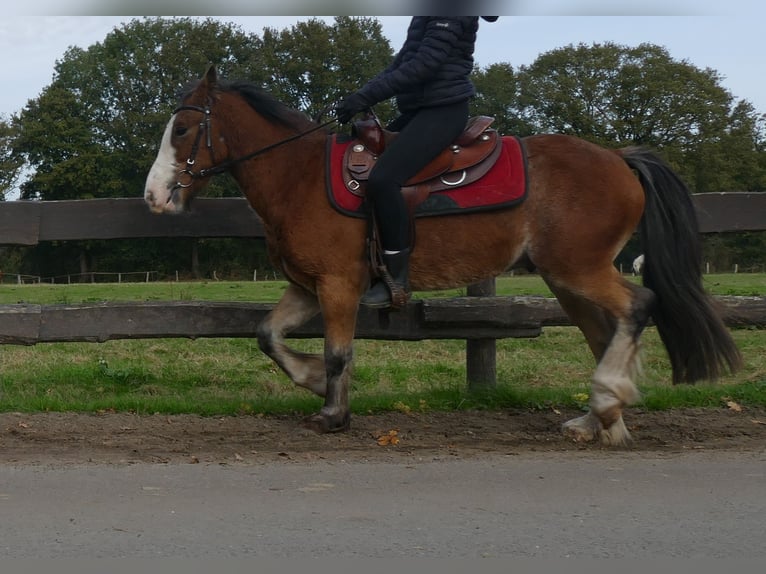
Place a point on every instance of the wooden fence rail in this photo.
(30, 222)
(480, 319)
(470, 318)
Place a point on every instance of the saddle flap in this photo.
(455, 178)
(457, 158)
(442, 163)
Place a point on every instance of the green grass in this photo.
(262, 291)
(743, 284)
(231, 376)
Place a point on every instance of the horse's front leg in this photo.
(294, 309)
(339, 304)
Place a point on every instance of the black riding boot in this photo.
(396, 280)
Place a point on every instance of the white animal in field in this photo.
(638, 264)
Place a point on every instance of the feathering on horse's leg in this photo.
(294, 309)
(613, 386)
(599, 329)
(612, 389)
(611, 315)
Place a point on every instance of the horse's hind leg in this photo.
(293, 310)
(611, 314)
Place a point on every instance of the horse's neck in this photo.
(284, 180)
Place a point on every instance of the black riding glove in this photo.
(349, 107)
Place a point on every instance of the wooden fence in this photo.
(30, 222)
(480, 319)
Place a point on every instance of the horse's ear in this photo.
(211, 77)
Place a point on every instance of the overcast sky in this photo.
(731, 44)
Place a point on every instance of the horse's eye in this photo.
(180, 131)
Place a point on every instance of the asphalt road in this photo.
(700, 504)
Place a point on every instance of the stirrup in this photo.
(383, 295)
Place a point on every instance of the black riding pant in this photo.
(422, 136)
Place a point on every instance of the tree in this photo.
(616, 95)
(312, 65)
(729, 160)
(10, 166)
(611, 93)
(56, 138)
(498, 95)
(94, 131)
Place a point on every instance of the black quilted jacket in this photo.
(433, 66)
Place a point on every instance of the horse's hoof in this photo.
(323, 424)
(616, 435)
(582, 429)
(588, 427)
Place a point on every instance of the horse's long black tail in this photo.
(698, 343)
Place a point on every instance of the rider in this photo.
(430, 79)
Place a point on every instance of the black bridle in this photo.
(204, 126)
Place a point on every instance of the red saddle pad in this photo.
(503, 186)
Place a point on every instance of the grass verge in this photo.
(232, 376)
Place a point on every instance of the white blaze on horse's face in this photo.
(161, 192)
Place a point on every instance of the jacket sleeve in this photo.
(441, 36)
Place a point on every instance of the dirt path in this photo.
(67, 438)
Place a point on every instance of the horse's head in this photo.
(186, 153)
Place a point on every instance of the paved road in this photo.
(554, 505)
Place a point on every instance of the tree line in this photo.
(94, 131)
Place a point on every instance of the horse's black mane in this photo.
(261, 101)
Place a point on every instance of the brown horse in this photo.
(584, 202)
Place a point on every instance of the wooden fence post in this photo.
(480, 354)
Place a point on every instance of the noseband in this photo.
(204, 126)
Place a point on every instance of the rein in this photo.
(204, 125)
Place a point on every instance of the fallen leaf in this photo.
(389, 438)
(23, 425)
(238, 457)
(757, 422)
(734, 406)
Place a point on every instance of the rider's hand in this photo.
(349, 107)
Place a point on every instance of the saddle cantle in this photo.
(469, 157)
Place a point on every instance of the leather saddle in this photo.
(467, 159)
